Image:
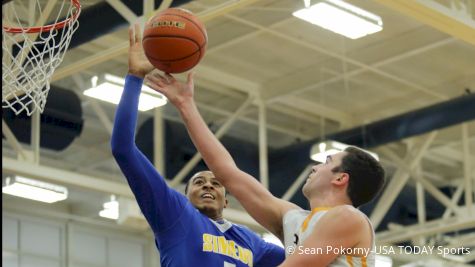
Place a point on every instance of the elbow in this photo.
(119, 150)
(115, 147)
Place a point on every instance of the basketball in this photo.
(174, 40)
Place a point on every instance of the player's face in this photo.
(322, 175)
(207, 194)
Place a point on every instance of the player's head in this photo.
(353, 172)
(206, 193)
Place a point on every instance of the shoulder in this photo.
(344, 223)
(343, 219)
(244, 230)
(345, 212)
(248, 233)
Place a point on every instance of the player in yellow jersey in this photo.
(334, 232)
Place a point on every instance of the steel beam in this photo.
(426, 229)
(297, 183)
(338, 56)
(467, 166)
(123, 10)
(102, 56)
(421, 207)
(11, 139)
(457, 23)
(399, 180)
(97, 184)
(32, 170)
(253, 122)
(35, 135)
(122, 48)
(263, 160)
(455, 199)
(221, 131)
(441, 197)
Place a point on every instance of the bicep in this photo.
(265, 208)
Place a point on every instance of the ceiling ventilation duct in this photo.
(61, 121)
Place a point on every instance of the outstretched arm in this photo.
(160, 204)
(256, 199)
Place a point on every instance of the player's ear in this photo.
(341, 178)
(225, 202)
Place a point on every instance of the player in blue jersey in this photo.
(189, 231)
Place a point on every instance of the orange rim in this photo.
(47, 28)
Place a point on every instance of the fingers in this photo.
(138, 35)
(154, 83)
(135, 35)
(157, 79)
(131, 36)
(169, 77)
(157, 75)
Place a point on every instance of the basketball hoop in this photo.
(32, 53)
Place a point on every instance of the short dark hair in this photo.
(367, 177)
(191, 179)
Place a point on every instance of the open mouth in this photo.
(208, 196)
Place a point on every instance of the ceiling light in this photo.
(320, 151)
(342, 18)
(111, 209)
(34, 190)
(110, 89)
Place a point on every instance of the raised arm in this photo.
(161, 205)
(256, 199)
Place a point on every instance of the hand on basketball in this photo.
(138, 63)
(178, 93)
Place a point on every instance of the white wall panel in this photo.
(30, 241)
(33, 261)
(9, 259)
(89, 249)
(125, 253)
(40, 239)
(9, 233)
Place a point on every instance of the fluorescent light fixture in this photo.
(111, 209)
(270, 238)
(383, 261)
(111, 87)
(342, 18)
(34, 190)
(320, 151)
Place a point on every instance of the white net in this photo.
(31, 54)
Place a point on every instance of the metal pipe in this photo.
(263, 160)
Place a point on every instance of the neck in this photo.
(328, 201)
(217, 217)
(213, 215)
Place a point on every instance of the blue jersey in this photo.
(184, 236)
